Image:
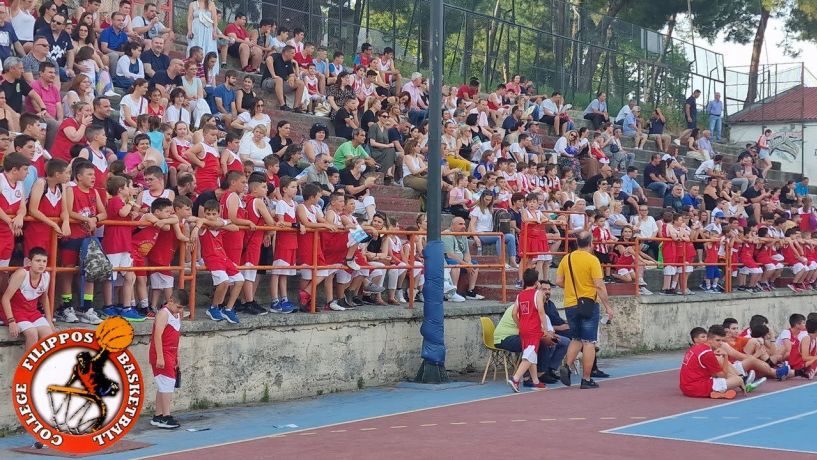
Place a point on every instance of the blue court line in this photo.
(777, 420)
(233, 424)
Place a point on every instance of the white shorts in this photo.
(306, 273)
(812, 265)
(120, 259)
(751, 271)
(5, 262)
(26, 325)
(220, 276)
(688, 268)
(773, 266)
(283, 271)
(719, 384)
(624, 271)
(249, 275)
(529, 354)
(739, 367)
(669, 270)
(160, 281)
(797, 268)
(345, 277)
(778, 257)
(165, 384)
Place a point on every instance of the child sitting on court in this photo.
(794, 333)
(803, 359)
(529, 314)
(163, 355)
(705, 372)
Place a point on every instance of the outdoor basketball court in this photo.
(634, 415)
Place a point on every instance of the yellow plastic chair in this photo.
(496, 355)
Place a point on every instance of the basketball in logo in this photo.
(80, 391)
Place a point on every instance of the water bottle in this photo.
(479, 250)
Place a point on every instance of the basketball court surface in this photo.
(636, 414)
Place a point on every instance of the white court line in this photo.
(266, 436)
(692, 441)
(764, 425)
(681, 414)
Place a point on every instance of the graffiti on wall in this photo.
(786, 144)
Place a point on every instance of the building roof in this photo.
(796, 104)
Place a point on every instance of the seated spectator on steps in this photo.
(654, 177)
(596, 111)
(656, 130)
(354, 184)
(417, 107)
(241, 47)
(279, 69)
(223, 98)
(113, 39)
(346, 119)
(353, 149)
(710, 168)
(457, 252)
(129, 67)
(39, 54)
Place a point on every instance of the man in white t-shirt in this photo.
(626, 110)
(519, 149)
(710, 168)
(645, 227)
(149, 26)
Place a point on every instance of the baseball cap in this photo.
(718, 213)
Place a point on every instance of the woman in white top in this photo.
(255, 147)
(482, 220)
(133, 104)
(129, 67)
(247, 121)
(602, 197)
(616, 220)
(23, 22)
(176, 111)
(194, 91)
(81, 90)
(316, 143)
(415, 169)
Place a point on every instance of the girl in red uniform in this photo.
(26, 289)
(286, 245)
(179, 146)
(258, 213)
(45, 203)
(669, 252)
(529, 313)
(163, 355)
(205, 158)
(534, 235)
(311, 217)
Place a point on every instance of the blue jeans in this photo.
(584, 329)
(715, 123)
(510, 241)
(660, 188)
(546, 358)
(417, 116)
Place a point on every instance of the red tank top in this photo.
(232, 239)
(85, 204)
(207, 175)
(529, 322)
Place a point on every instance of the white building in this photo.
(792, 117)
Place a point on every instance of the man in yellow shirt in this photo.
(585, 282)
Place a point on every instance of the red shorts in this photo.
(139, 261)
(6, 245)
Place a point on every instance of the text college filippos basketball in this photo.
(80, 391)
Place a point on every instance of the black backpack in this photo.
(502, 221)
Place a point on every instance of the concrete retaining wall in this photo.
(279, 357)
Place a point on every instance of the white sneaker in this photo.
(400, 297)
(474, 296)
(456, 298)
(68, 316)
(448, 287)
(352, 264)
(644, 291)
(111, 93)
(641, 282)
(688, 292)
(89, 317)
(335, 306)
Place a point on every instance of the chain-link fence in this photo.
(555, 44)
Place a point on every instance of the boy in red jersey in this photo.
(234, 210)
(806, 355)
(529, 313)
(26, 288)
(705, 370)
(85, 206)
(95, 152)
(790, 337)
(160, 218)
(258, 214)
(163, 355)
(222, 269)
(44, 204)
(286, 246)
(12, 204)
(204, 157)
(163, 251)
(117, 246)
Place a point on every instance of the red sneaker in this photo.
(514, 385)
(305, 298)
(539, 386)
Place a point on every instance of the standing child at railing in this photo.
(340, 246)
(45, 203)
(233, 210)
(286, 245)
(163, 251)
(310, 217)
(257, 213)
(96, 153)
(205, 159)
(601, 246)
(222, 269)
(669, 252)
(12, 205)
(117, 246)
(159, 217)
(86, 208)
(711, 257)
(746, 257)
(688, 233)
(535, 238)
(395, 276)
